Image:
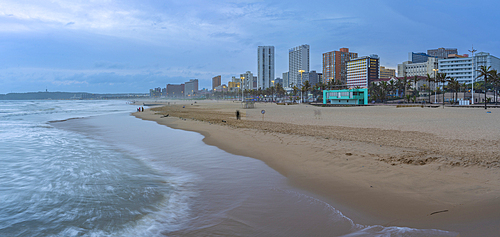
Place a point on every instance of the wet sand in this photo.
(415, 167)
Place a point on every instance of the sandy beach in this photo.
(415, 167)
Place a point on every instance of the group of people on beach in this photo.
(140, 109)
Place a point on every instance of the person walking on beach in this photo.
(237, 115)
(142, 109)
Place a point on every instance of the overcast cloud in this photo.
(132, 46)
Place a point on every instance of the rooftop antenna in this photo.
(472, 51)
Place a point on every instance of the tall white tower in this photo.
(298, 59)
(265, 66)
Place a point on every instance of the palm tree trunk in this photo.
(485, 91)
(465, 90)
(429, 89)
(443, 97)
(485, 99)
(496, 95)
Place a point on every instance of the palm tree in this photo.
(306, 87)
(429, 80)
(485, 72)
(495, 80)
(399, 86)
(408, 97)
(415, 79)
(405, 83)
(373, 91)
(279, 90)
(295, 90)
(465, 87)
(384, 86)
(425, 87)
(442, 77)
(454, 86)
(392, 85)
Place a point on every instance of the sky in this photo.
(128, 46)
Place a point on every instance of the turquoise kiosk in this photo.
(346, 97)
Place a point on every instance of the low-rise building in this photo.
(346, 97)
(221, 88)
(387, 72)
(233, 86)
(410, 69)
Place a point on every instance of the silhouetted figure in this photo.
(237, 115)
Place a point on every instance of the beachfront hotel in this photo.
(335, 65)
(360, 71)
(462, 67)
(265, 66)
(298, 59)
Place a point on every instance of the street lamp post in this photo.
(472, 95)
(241, 83)
(273, 89)
(301, 71)
(435, 83)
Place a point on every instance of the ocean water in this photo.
(88, 168)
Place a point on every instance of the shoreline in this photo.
(371, 183)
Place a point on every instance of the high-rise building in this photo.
(156, 92)
(314, 78)
(191, 87)
(418, 57)
(360, 71)
(441, 53)
(298, 59)
(387, 72)
(462, 69)
(278, 81)
(216, 81)
(335, 65)
(175, 90)
(247, 80)
(285, 80)
(265, 66)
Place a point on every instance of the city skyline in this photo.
(133, 46)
